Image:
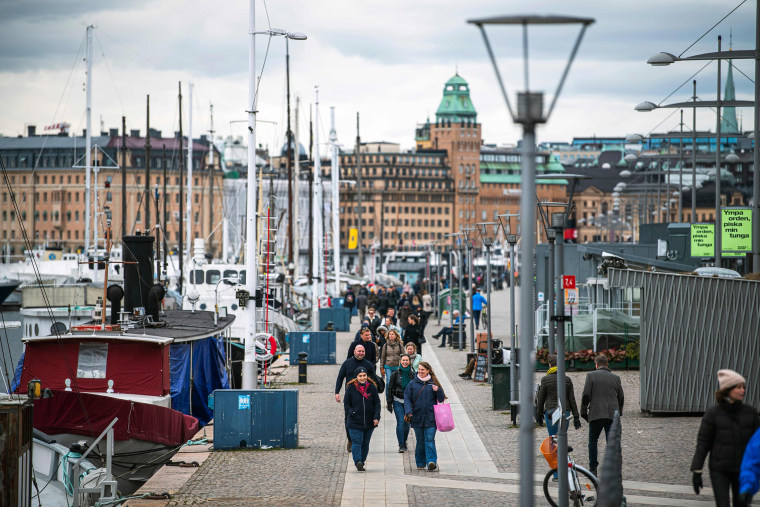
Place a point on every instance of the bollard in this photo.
(302, 367)
(330, 326)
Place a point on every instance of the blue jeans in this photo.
(552, 428)
(402, 427)
(388, 373)
(425, 452)
(594, 430)
(360, 443)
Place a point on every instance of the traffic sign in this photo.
(568, 281)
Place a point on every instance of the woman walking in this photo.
(414, 357)
(391, 354)
(420, 396)
(726, 428)
(362, 404)
(397, 384)
(413, 332)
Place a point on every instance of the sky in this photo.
(387, 60)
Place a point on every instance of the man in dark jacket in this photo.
(374, 319)
(348, 369)
(602, 395)
(546, 399)
(361, 305)
(349, 302)
(370, 349)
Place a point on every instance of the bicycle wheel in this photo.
(586, 489)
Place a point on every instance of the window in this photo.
(213, 276)
(92, 360)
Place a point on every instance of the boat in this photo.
(6, 289)
(152, 369)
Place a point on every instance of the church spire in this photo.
(728, 123)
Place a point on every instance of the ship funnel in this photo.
(115, 294)
(138, 271)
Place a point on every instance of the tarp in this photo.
(17, 373)
(209, 373)
(89, 414)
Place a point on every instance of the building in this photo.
(44, 197)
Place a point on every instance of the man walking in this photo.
(478, 302)
(361, 305)
(602, 395)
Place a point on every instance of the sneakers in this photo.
(431, 466)
(441, 346)
(421, 468)
(465, 376)
(360, 466)
(348, 445)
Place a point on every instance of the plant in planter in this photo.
(614, 355)
(542, 355)
(632, 351)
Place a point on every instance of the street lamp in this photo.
(512, 240)
(551, 235)
(455, 236)
(529, 114)
(488, 243)
(470, 247)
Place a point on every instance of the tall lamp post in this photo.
(512, 240)
(488, 243)
(529, 114)
(470, 290)
(552, 304)
(249, 359)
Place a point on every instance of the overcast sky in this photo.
(387, 60)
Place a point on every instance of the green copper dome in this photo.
(456, 104)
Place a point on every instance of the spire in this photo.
(728, 123)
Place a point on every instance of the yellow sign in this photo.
(353, 238)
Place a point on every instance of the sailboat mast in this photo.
(335, 175)
(88, 141)
(181, 285)
(124, 231)
(296, 205)
(189, 211)
(358, 152)
(211, 182)
(147, 166)
(251, 281)
(317, 220)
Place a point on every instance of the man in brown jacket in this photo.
(602, 396)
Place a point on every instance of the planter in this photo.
(633, 364)
(584, 365)
(618, 365)
(541, 367)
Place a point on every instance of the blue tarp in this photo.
(17, 373)
(209, 374)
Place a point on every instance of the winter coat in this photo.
(361, 412)
(749, 474)
(350, 300)
(403, 316)
(370, 351)
(361, 301)
(478, 301)
(392, 298)
(427, 303)
(348, 371)
(419, 399)
(372, 300)
(602, 395)
(374, 323)
(413, 333)
(382, 304)
(546, 399)
(725, 430)
(393, 389)
(391, 354)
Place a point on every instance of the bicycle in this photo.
(582, 485)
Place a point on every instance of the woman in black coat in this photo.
(362, 404)
(725, 430)
(413, 333)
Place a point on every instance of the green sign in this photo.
(702, 240)
(736, 229)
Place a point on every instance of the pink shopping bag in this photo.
(444, 419)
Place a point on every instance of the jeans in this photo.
(476, 316)
(594, 430)
(402, 427)
(424, 451)
(388, 373)
(360, 443)
(552, 428)
(722, 483)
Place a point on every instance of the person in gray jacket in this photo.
(602, 395)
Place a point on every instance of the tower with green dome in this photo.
(456, 105)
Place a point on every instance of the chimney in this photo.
(155, 133)
(138, 271)
(176, 134)
(103, 133)
(113, 132)
(84, 132)
(31, 130)
(134, 133)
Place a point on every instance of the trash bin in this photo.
(502, 385)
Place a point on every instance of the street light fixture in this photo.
(529, 114)
(512, 240)
(551, 235)
(488, 243)
(470, 246)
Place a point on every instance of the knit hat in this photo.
(729, 378)
(360, 369)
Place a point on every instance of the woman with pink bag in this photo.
(420, 398)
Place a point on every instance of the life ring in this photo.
(324, 302)
(264, 342)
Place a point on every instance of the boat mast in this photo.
(211, 182)
(335, 174)
(358, 152)
(317, 219)
(249, 359)
(289, 151)
(189, 211)
(296, 205)
(147, 165)
(123, 177)
(181, 284)
(88, 141)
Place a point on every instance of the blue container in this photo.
(320, 345)
(340, 302)
(258, 418)
(338, 316)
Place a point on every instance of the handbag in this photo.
(444, 419)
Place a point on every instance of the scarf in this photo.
(551, 370)
(362, 388)
(405, 376)
(425, 378)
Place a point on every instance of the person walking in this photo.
(362, 406)
(725, 430)
(394, 393)
(546, 399)
(427, 308)
(349, 302)
(478, 302)
(374, 319)
(370, 349)
(411, 350)
(361, 305)
(422, 393)
(413, 332)
(348, 371)
(602, 395)
(749, 473)
(391, 353)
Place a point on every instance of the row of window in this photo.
(43, 234)
(400, 235)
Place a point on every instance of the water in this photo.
(10, 341)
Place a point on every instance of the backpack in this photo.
(349, 298)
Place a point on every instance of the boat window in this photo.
(92, 360)
(36, 330)
(241, 277)
(213, 276)
(197, 276)
(230, 274)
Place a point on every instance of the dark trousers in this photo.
(476, 316)
(722, 483)
(594, 430)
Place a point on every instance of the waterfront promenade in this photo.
(478, 461)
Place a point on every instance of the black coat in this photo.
(724, 433)
(413, 333)
(370, 350)
(361, 412)
(393, 389)
(348, 371)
